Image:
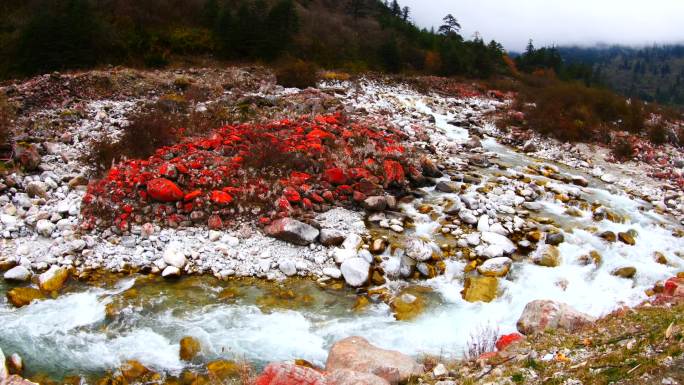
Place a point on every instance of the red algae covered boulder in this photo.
(507, 340)
(335, 176)
(163, 190)
(285, 168)
(289, 374)
(357, 354)
(541, 315)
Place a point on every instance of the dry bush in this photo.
(482, 340)
(657, 132)
(573, 112)
(298, 73)
(6, 117)
(145, 133)
(623, 149)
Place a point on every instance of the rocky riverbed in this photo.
(480, 232)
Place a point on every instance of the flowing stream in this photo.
(88, 330)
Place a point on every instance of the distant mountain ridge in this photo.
(652, 73)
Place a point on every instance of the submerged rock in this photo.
(292, 231)
(549, 257)
(482, 289)
(625, 272)
(540, 315)
(357, 354)
(189, 348)
(22, 296)
(407, 307)
(627, 239)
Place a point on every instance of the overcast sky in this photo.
(514, 22)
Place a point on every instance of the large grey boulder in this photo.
(292, 231)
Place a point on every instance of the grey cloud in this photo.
(514, 22)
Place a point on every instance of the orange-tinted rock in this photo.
(163, 190)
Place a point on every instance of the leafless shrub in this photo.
(482, 340)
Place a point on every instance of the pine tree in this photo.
(395, 8)
(451, 26)
(405, 12)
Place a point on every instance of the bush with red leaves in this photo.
(283, 168)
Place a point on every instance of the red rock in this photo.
(292, 195)
(508, 339)
(358, 196)
(283, 204)
(306, 202)
(221, 198)
(215, 222)
(335, 176)
(345, 189)
(328, 196)
(487, 356)
(192, 195)
(163, 190)
(394, 172)
(288, 374)
(674, 287)
(317, 198)
(168, 170)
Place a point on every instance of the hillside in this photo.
(40, 36)
(651, 73)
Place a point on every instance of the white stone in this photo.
(492, 251)
(332, 272)
(17, 273)
(214, 235)
(45, 228)
(418, 249)
(483, 223)
(608, 178)
(355, 271)
(467, 217)
(287, 267)
(473, 239)
(340, 255)
(498, 228)
(495, 266)
(171, 271)
(174, 256)
(352, 242)
(500, 240)
(440, 370)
